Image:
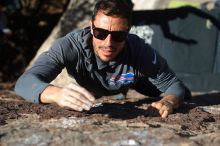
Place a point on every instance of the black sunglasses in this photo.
(101, 34)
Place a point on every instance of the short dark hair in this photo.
(122, 8)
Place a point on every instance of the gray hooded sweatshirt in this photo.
(75, 53)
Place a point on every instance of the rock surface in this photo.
(114, 122)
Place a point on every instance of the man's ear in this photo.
(129, 28)
(90, 22)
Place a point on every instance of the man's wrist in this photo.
(48, 95)
(172, 100)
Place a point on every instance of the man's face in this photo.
(109, 35)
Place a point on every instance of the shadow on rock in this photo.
(127, 110)
(208, 99)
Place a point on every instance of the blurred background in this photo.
(185, 32)
(30, 23)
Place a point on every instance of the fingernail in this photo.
(93, 98)
(89, 104)
(86, 107)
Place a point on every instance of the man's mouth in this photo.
(107, 51)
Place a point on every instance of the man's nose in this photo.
(108, 40)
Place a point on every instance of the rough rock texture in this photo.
(114, 122)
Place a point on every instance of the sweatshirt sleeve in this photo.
(154, 67)
(166, 80)
(47, 66)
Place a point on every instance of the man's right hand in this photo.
(72, 96)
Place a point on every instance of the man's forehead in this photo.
(102, 17)
(104, 14)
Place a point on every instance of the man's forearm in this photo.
(29, 86)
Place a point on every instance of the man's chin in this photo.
(106, 59)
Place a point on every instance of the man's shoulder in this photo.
(77, 39)
(133, 37)
(134, 41)
(79, 34)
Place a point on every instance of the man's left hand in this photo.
(165, 106)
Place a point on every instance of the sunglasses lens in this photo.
(100, 33)
(119, 36)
